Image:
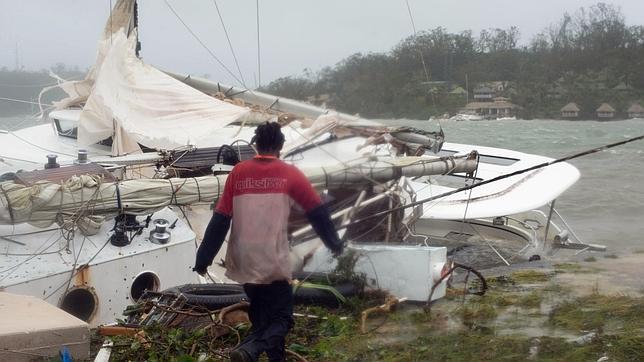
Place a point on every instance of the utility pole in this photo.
(467, 90)
(17, 58)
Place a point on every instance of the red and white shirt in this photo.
(258, 195)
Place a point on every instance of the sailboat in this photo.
(108, 198)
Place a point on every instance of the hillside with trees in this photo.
(24, 85)
(588, 57)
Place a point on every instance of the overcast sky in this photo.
(294, 34)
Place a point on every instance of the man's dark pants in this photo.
(271, 313)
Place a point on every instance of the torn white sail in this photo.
(121, 18)
(134, 103)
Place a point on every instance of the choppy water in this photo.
(606, 206)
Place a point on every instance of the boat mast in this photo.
(136, 26)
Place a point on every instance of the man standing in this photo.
(258, 196)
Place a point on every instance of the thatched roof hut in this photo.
(570, 110)
(605, 111)
(605, 107)
(571, 107)
(636, 111)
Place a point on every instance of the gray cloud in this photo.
(295, 34)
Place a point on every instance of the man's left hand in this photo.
(201, 270)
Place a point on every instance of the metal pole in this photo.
(552, 209)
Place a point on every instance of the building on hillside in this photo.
(319, 100)
(557, 92)
(635, 111)
(623, 87)
(570, 110)
(500, 107)
(458, 91)
(605, 111)
(484, 94)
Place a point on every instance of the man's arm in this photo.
(317, 213)
(212, 241)
(320, 219)
(213, 237)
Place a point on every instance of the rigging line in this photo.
(501, 177)
(42, 148)
(75, 272)
(202, 43)
(76, 257)
(230, 44)
(465, 222)
(469, 196)
(12, 269)
(24, 101)
(259, 68)
(2, 159)
(420, 51)
(28, 85)
(111, 30)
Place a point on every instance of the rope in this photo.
(519, 172)
(40, 147)
(198, 189)
(9, 207)
(173, 196)
(78, 269)
(23, 101)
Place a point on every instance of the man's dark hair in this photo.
(268, 137)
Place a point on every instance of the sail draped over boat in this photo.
(136, 104)
(122, 16)
(133, 102)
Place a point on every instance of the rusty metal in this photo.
(62, 174)
(82, 276)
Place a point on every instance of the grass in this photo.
(530, 276)
(473, 314)
(459, 328)
(611, 256)
(590, 259)
(531, 300)
(573, 268)
(475, 346)
(595, 311)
